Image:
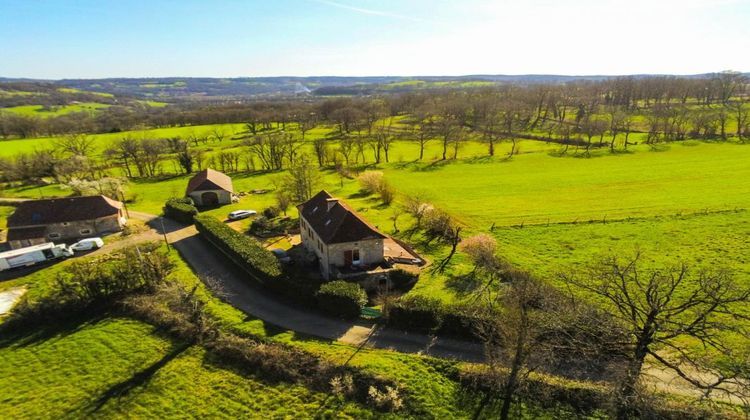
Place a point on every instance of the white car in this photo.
(241, 214)
(87, 244)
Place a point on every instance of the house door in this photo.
(209, 198)
(348, 257)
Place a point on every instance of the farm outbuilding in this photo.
(210, 188)
(63, 219)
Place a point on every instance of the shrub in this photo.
(180, 209)
(386, 193)
(271, 212)
(261, 224)
(417, 313)
(86, 284)
(401, 278)
(458, 321)
(389, 399)
(370, 181)
(481, 249)
(341, 298)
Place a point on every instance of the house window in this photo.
(85, 231)
(54, 235)
(351, 257)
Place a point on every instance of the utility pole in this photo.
(164, 231)
(122, 198)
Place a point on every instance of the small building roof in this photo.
(335, 222)
(21, 233)
(60, 210)
(209, 179)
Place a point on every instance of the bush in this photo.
(386, 192)
(416, 313)
(401, 278)
(370, 181)
(342, 299)
(458, 321)
(261, 224)
(271, 212)
(181, 210)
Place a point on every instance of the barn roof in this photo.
(59, 210)
(209, 179)
(335, 222)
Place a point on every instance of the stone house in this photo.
(210, 188)
(339, 237)
(63, 219)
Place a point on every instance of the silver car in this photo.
(241, 214)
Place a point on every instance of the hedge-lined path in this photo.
(252, 299)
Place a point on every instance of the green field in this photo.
(97, 368)
(550, 212)
(72, 369)
(54, 111)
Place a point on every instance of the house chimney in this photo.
(331, 202)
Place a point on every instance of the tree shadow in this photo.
(481, 159)
(29, 335)
(433, 166)
(138, 379)
(464, 285)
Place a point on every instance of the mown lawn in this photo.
(106, 355)
(122, 368)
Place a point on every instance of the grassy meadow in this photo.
(549, 211)
(109, 366)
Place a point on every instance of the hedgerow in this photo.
(256, 260)
(341, 298)
(180, 209)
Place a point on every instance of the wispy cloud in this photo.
(371, 12)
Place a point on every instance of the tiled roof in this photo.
(18, 234)
(208, 179)
(338, 224)
(59, 210)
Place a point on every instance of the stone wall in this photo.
(225, 197)
(70, 231)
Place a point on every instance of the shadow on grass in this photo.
(464, 285)
(22, 336)
(433, 166)
(138, 379)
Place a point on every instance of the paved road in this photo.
(242, 293)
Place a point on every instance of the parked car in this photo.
(87, 244)
(282, 255)
(241, 214)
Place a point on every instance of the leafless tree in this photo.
(662, 311)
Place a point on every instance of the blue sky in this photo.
(231, 38)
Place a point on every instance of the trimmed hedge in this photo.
(416, 313)
(342, 299)
(242, 249)
(430, 315)
(180, 209)
(259, 262)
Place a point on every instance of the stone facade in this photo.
(70, 231)
(368, 251)
(205, 197)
